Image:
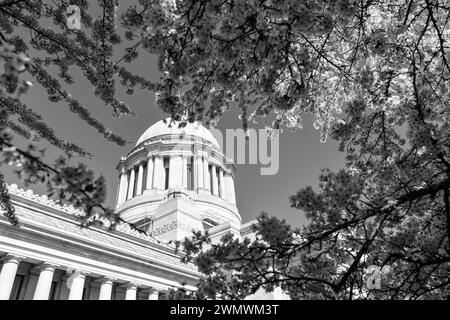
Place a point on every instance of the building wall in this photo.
(51, 235)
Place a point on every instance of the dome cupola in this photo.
(175, 180)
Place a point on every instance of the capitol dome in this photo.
(166, 128)
(176, 180)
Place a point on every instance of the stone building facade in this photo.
(175, 180)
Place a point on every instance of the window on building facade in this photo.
(144, 224)
(208, 223)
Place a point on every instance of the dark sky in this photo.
(302, 155)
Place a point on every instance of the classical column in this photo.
(139, 179)
(215, 186)
(8, 274)
(158, 181)
(131, 184)
(122, 188)
(200, 173)
(184, 165)
(105, 288)
(206, 183)
(77, 285)
(226, 179)
(119, 186)
(130, 293)
(153, 295)
(195, 172)
(175, 171)
(232, 191)
(221, 184)
(149, 173)
(44, 283)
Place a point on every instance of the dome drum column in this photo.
(195, 171)
(140, 179)
(200, 172)
(221, 184)
(206, 178)
(119, 187)
(231, 190)
(175, 171)
(215, 186)
(149, 173)
(131, 184)
(184, 170)
(122, 192)
(226, 194)
(159, 172)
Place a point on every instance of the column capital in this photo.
(106, 286)
(46, 265)
(154, 289)
(105, 279)
(131, 285)
(78, 272)
(7, 275)
(76, 283)
(12, 257)
(153, 294)
(131, 291)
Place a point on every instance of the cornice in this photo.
(43, 200)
